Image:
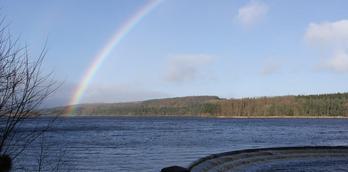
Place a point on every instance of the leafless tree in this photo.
(45, 162)
(22, 90)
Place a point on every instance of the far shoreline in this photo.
(208, 116)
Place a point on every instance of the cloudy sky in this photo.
(229, 48)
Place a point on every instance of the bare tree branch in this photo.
(23, 88)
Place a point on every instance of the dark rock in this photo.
(175, 169)
(5, 163)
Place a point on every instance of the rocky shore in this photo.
(321, 158)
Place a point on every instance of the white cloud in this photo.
(332, 36)
(269, 69)
(252, 13)
(187, 67)
(338, 63)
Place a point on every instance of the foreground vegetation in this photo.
(324, 105)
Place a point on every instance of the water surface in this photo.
(127, 144)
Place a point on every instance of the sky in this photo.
(228, 48)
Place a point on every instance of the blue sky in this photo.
(229, 48)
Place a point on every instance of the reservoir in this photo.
(147, 144)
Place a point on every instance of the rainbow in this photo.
(98, 60)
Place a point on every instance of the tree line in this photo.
(301, 105)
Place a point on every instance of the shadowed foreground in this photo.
(276, 159)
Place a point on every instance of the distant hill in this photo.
(324, 105)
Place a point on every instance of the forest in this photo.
(323, 105)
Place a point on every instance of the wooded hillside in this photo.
(309, 105)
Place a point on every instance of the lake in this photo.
(127, 144)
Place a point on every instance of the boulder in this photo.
(175, 169)
(5, 163)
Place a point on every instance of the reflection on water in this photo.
(127, 144)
